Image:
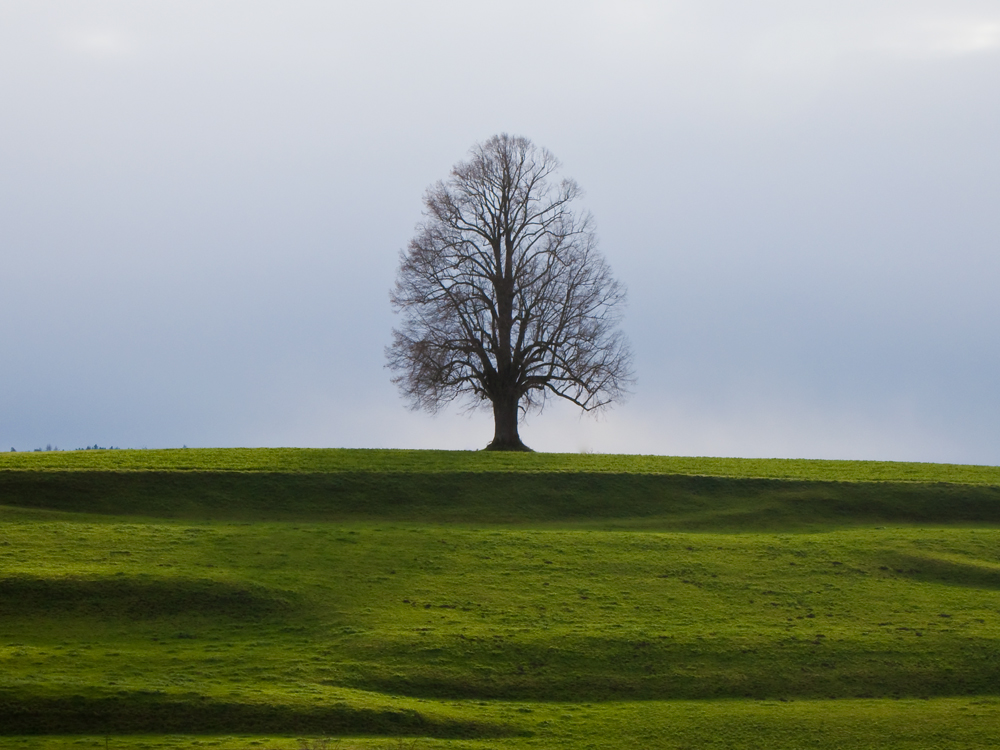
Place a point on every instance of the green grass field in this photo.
(398, 599)
(321, 461)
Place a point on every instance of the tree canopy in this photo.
(505, 299)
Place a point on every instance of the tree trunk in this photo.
(505, 437)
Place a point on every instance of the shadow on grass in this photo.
(147, 713)
(137, 597)
(948, 572)
(671, 502)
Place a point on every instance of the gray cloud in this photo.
(201, 208)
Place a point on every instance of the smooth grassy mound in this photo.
(312, 460)
(370, 593)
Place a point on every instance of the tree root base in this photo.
(518, 446)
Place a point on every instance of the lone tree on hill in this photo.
(504, 296)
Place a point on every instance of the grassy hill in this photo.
(242, 598)
(323, 461)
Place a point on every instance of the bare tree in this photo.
(504, 297)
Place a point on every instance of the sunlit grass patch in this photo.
(325, 460)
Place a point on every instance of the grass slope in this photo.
(604, 500)
(491, 608)
(312, 461)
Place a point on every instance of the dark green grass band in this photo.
(147, 714)
(632, 500)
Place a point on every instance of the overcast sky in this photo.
(202, 206)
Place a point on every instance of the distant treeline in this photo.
(94, 447)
